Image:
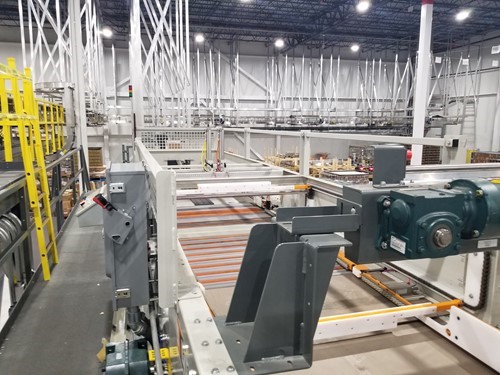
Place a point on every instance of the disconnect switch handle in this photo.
(103, 202)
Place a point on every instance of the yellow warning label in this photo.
(174, 352)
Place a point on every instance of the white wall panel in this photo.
(254, 97)
(488, 86)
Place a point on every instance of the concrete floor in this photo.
(60, 328)
(413, 348)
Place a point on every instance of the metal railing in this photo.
(453, 147)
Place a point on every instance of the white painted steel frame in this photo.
(309, 89)
(465, 330)
(69, 60)
(423, 79)
(160, 65)
(471, 334)
(164, 95)
(162, 190)
(48, 62)
(177, 287)
(367, 321)
(55, 62)
(78, 76)
(454, 155)
(94, 65)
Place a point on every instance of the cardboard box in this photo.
(95, 157)
(67, 202)
(97, 172)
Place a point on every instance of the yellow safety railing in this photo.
(22, 117)
(51, 117)
(52, 122)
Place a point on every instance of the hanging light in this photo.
(199, 38)
(355, 48)
(363, 5)
(462, 15)
(107, 32)
(279, 43)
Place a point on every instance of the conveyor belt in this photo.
(214, 239)
(217, 216)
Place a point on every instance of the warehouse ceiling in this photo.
(388, 24)
(326, 23)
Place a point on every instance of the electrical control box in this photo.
(125, 234)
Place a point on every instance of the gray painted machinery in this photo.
(287, 265)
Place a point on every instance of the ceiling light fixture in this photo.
(462, 15)
(279, 43)
(199, 38)
(107, 32)
(363, 5)
(355, 48)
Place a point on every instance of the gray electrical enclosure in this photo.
(125, 235)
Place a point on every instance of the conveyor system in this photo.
(160, 266)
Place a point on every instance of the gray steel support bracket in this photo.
(254, 269)
(278, 299)
(325, 224)
(118, 227)
(316, 220)
(389, 165)
(288, 213)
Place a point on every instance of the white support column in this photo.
(135, 62)
(305, 152)
(423, 78)
(495, 139)
(209, 144)
(189, 90)
(278, 144)
(60, 40)
(220, 132)
(78, 75)
(21, 25)
(247, 144)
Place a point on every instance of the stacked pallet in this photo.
(316, 166)
(431, 155)
(288, 161)
(347, 177)
(485, 157)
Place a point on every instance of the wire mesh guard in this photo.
(174, 139)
